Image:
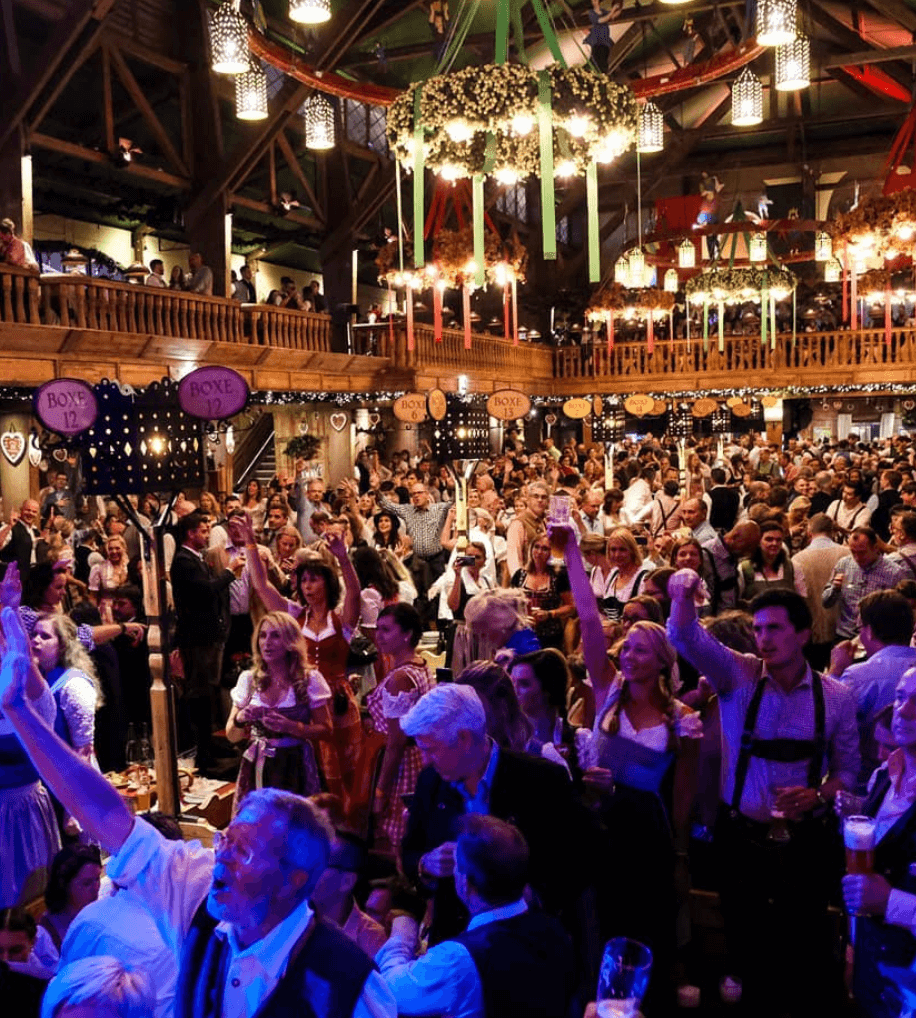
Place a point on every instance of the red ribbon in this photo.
(409, 302)
(854, 300)
(610, 332)
(437, 312)
(506, 324)
(514, 311)
(650, 333)
(846, 282)
(391, 318)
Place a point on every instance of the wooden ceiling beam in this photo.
(897, 11)
(84, 54)
(872, 56)
(301, 218)
(91, 155)
(293, 163)
(359, 215)
(48, 63)
(125, 44)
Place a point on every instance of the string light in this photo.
(747, 99)
(229, 40)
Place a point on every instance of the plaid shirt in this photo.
(882, 574)
(424, 526)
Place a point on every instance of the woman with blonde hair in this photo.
(627, 574)
(496, 628)
(546, 588)
(282, 706)
(105, 577)
(207, 503)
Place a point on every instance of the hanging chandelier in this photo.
(747, 99)
(650, 136)
(686, 254)
(757, 247)
(823, 246)
(637, 267)
(671, 281)
(622, 271)
(793, 65)
(229, 40)
(832, 271)
(319, 122)
(775, 22)
(251, 93)
(310, 12)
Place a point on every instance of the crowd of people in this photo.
(471, 743)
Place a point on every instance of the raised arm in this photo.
(82, 790)
(349, 615)
(594, 646)
(257, 570)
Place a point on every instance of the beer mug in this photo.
(558, 515)
(624, 978)
(859, 837)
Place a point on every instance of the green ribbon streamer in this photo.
(764, 308)
(477, 198)
(397, 173)
(463, 22)
(518, 31)
(418, 180)
(502, 31)
(705, 326)
(545, 127)
(594, 240)
(550, 37)
(721, 327)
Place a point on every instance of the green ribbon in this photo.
(502, 31)
(550, 36)
(477, 198)
(545, 128)
(518, 31)
(705, 326)
(418, 180)
(721, 327)
(594, 239)
(764, 308)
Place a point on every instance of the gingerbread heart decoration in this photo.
(34, 450)
(374, 418)
(339, 420)
(13, 445)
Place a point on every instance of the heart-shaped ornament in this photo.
(13, 445)
(34, 451)
(339, 420)
(374, 419)
(60, 455)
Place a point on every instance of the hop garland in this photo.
(491, 112)
(882, 224)
(453, 255)
(874, 281)
(732, 286)
(642, 301)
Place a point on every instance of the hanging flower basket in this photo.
(882, 225)
(633, 302)
(735, 286)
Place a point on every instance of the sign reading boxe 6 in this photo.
(66, 405)
(410, 408)
(508, 404)
(213, 393)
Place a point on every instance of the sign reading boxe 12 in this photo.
(213, 393)
(66, 405)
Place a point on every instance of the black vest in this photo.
(525, 966)
(725, 505)
(881, 517)
(324, 976)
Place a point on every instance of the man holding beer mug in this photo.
(789, 744)
(879, 888)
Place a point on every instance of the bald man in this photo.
(722, 555)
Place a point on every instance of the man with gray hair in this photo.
(238, 915)
(467, 772)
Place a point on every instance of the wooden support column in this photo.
(16, 185)
(336, 263)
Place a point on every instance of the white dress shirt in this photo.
(172, 878)
(443, 981)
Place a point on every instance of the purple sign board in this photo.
(213, 393)
(66, 405)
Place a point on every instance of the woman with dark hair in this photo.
(282, 706)
(769, 566)
(387, 530)
(541, 682)
(397, 634)
(74, 881)
(547, 591)
(327, 633)
(255, 504)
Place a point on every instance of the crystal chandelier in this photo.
(251, 93)
(757, 247)
(823, 246)
(793, 65)
(229, 40)
(650, 136)
(775, 22)
(747, 99)
(319, 122)
(310, 12)
(686, 254)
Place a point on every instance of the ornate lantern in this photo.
(650, 136)
(747, 99)
(229, 40)
(775, 22)
(793, 65)
(310, 12)
(319, 122)
(251, 93)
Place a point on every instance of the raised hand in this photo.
(17, 659)
(11, 587)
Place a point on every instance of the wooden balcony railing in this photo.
(20, 290)
(493, 356)
(286, 328)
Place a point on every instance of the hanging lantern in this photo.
(757, 247)
(229, 40)
(775, 22)
(310, 12)
(671, 281)
(319, 122)
(686, 254)
(833, 271)
(251, 93)
(650, 137)
(793, 65)
(823, 246)
(747, 99)
(622, 271)
(637, 267)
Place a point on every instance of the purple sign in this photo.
(213, 393)
(66, 405)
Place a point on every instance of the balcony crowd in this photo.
(465, 756)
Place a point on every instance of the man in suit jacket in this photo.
(885, 900)
(22, 537)
(202, 607)
(816, 563)
(467, 772)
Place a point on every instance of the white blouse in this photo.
(246, 694)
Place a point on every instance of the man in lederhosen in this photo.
(789, 744)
